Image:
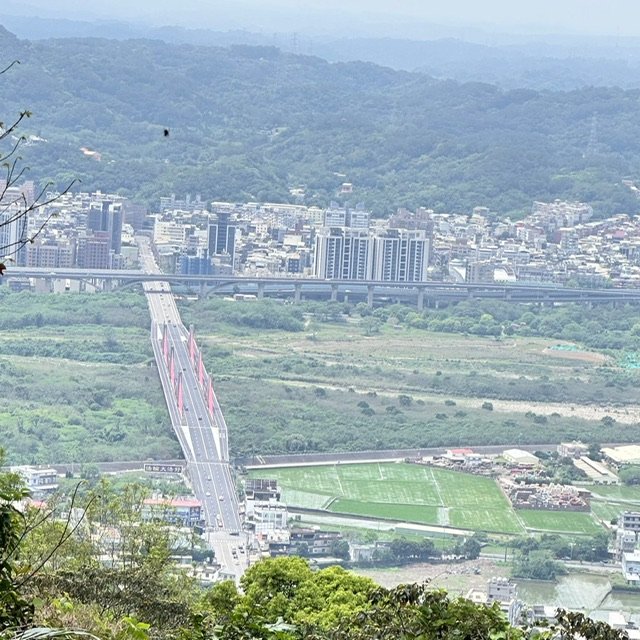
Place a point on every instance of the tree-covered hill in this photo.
(251, 122)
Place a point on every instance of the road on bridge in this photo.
(202, 437)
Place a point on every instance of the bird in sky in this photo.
(166, 133)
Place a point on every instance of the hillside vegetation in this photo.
(248, 123)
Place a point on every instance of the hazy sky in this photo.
(614, 17)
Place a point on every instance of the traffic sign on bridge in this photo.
(163, 468)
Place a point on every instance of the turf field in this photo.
(610, 501)
(416, 493)
(559, 521)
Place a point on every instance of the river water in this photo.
(579, 591)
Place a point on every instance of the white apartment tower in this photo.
(13, 233)
(401, 255)
(343, 254)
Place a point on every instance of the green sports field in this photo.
(610, 501)
(416, 493)
(559, 521)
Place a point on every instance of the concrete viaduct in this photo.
(421, 294)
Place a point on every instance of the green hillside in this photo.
(251, 122)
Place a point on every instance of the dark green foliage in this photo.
(247, 123)
(600, 327)
(15, 610)
(630, 474)
(402, 551)
(589, 549)
(267, 314)
(537, 565)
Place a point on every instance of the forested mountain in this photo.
(251, 122)
(511, 61)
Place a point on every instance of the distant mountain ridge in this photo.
(542, 62)
(250, 123)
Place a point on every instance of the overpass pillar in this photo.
(260, 290)
(436, 303)
(297, 292)
(370, 289)
(420, 298)
(106, 284)
(203, 290)
(334, 293)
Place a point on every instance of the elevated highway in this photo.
(420, 293)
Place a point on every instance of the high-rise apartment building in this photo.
(386, 255)
(13, 233)
(51, 254)
(93, 250)
(354, 218)
(106, 215)
(343, 254)
(222, 236)
(401, 255)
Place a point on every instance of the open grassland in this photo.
(324, 381)
(416, 493)
(618, 493)
(294, 378)
(79, 382)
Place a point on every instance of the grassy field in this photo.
(293, 378)
(609, 501)
(559, 521)
(79, 381)
(416, 493)
(617, 493)
(325, 383)
(607, 511)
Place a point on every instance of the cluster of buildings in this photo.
(281, 239)
(463, 459)
(505, 593)
(84, 230)
(557, 243)
(550, 497)
(618, 457)
(40, 481)
(268, 520)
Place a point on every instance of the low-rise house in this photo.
(38, 480)
(631, 567)
(184, 511)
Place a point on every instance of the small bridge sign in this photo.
(163, 468)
